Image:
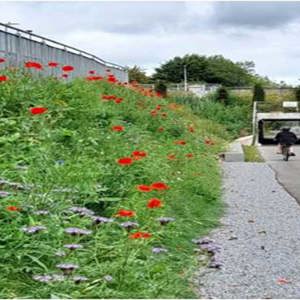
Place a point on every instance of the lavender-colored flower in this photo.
(79, 279)
(165, 220)
(33, 229)
(42, 278)
(58, 277)
(102, 220)
(4, 194)
(215, 263)
(77, 231)
(73, 246)
(60, 253)
(41, 212)
(81, 211)
(129, 225)
(157, 250)
(67, 268)
(108, 278)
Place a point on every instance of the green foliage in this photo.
(67, 157)
(252, 154)
(213, 69)
(161, 88)
(222, 95)
(258, 93)
(297, 93)
(135, 73)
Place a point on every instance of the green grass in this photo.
(77, 129)
(252, 154)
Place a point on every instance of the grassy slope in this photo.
(77, 129)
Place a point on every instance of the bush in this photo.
(258, 93)
(222, 95)
(161, 88)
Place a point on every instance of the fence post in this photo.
(254, 123)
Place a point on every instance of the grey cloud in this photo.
(256, 14)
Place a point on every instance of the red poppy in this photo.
(68, 68)
(94, 78)
(191, 129)
(160, 129)
(139, 153)
(159, 186)
(118, 100)
(158, 107)
(180, 142)
(125, 161)
(38, 110)
(144, 188)
(140, 235)
(171, 156)
(65, 75)
(108, 70)
(2, 60)
(208, 142)
(153, 113)
(189, 155)
(92, 72)
(125, 213)
(52, 64)
(118, 128)
(33, 65)
(112, 78)
(3, 78)
(13, 208)
(164, 115)
(154, 203)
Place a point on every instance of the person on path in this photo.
(285, 137)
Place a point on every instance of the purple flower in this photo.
(215, 263)
(77, 231)
(73, 246)
(78, 279)
(81, 211)
(165, 220)
(4, 194)
(67, 268)
(41, 212)
(33, 229)
(202, 241)
(129, 225)
(108, 278)
(102, 220)
(57, 277)
(157, 250)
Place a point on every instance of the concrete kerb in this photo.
(236, 152)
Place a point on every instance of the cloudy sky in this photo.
(149, 33)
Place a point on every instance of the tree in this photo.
(258, 93)
(222, 95)
(161, 88)
(212, 69)
(137, 74)
(297, 93)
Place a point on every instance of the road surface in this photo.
(288, 173)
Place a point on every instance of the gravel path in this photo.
(259, 238)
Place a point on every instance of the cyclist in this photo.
(286, 137)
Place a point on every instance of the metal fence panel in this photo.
(18, 46)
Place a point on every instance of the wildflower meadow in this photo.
(103, 186)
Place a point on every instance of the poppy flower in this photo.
(3, 78)
(118, 128)
(107, 70)
(2, 60)
(118, 100)
(154, 203)
(94, 78)
(33, 65)
(160, 129)
(68, 68)
(171, 156)
(191, 129)
(125, 213)
(189, 155)
(125, 161)
(208, 142)
(180, 142)
(13, 208)
(158, 107)
(65, 75)
(159, 186)
(144, 188)
(140, 235)
(52, 64)
(38, 110)
(164, 115)
(139, 153)
(92, 72)
(153, 113)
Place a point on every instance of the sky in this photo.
(148, 34)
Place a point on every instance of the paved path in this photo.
(259, 238)
(288, 173)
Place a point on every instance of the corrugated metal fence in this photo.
(18, 46)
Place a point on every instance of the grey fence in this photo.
(18, 46)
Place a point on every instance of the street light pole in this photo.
(185, 78)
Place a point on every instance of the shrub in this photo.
(222, 95)
(161, 88)
(258, 93)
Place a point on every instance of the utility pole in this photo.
(185, 78)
